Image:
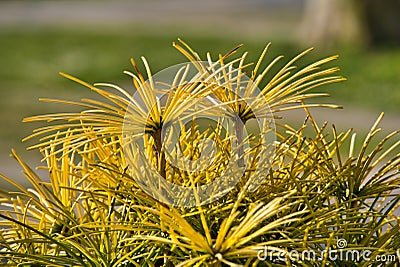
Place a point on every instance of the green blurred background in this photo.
(94, 40)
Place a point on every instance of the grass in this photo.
(373, 80)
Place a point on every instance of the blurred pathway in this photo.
(360, 120)
(249, 17)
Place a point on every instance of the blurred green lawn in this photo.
(32, 59)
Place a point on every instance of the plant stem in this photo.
(161, 161)
(239, 129)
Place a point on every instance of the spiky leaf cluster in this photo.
(92, 212)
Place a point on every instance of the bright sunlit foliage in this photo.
(92, 212)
